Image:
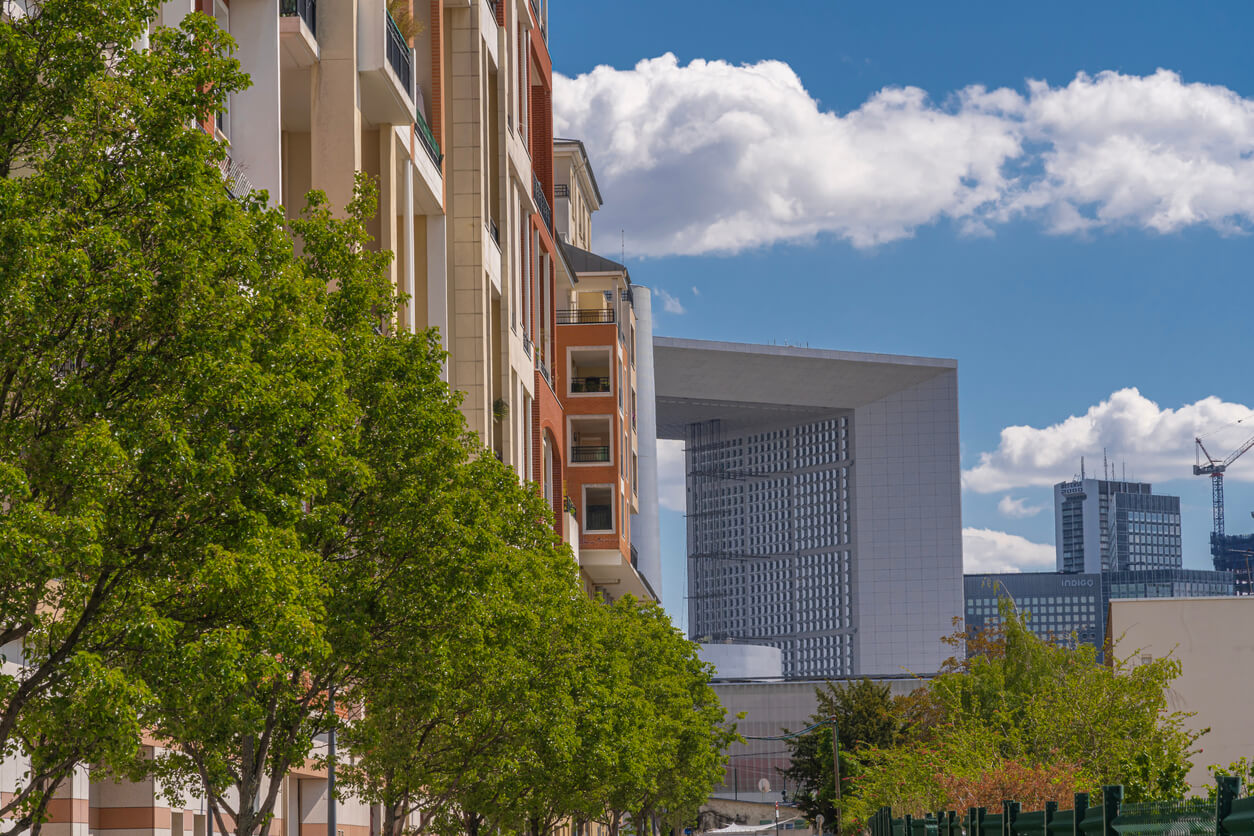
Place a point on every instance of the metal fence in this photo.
(1106, 815)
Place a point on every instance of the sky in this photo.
(1060, 197)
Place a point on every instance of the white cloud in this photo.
(715, 157)
(696, 291)
(1156, 443)
(671, 475)
(985, 550)
(1017, 508)
(669, 303)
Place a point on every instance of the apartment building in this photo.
(598, 380)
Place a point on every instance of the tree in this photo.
(167, 398)
(866, 714)
(1043, 718)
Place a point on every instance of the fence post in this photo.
(951, 817)
(971, 816)
(1079, 809)
(907, 825)
(1009, 812)
(1112, 796)
(1229, 787)
(1051, 809)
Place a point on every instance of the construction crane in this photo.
(1214, 468)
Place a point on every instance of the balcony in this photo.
(237, 182)
(585, 316)
(542, 202)
(298, 34)
(399, 57)
(495, 231)
(588, 385)
(428, 140)
(527, 345)
(306, 10)
(386, 64)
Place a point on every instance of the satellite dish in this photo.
(764, 785)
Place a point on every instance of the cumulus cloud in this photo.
(669, 303)
(985, 550)
(671, 474)
(716, 157)
(1017, 508)
(1156, 443)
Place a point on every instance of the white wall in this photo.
(908, 527)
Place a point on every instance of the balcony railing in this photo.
(583, 454)
(585, 316)
(527, 345)
(237, 182)
(495, 232)
(589, 384)
(544, 370)
(306, 10)
(428, 140)
(399, 58)
(635, 558)
(599, 518)
(542, 202)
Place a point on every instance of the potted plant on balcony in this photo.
(500, 410)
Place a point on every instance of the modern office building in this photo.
(1105, 526)
(822, 501)
(1060, 605)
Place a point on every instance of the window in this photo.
(598, 509)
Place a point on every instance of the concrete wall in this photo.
(908, 527)
(1211, 638)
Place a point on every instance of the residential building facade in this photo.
(447, 106)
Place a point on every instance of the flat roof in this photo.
(743, 384)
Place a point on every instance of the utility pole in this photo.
(836, 769)
(331, 825)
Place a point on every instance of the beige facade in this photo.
(1210, 639)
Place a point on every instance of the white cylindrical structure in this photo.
(646, 534)
(410, 284)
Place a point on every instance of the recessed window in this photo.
(590, 440)
(598, 509)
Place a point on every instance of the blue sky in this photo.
(877, 177)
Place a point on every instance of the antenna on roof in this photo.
(1082, 468)
(623, 245)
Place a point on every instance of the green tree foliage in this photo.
(168, 392)
(226, 488)
(866, 714)
(1023, 706)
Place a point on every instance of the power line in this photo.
(792, 734)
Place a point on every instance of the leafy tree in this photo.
(167, 395)
(1042, 717)
(865, 714)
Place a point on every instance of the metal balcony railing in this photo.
(585, 316)
(584, 454)
(306, 10)
(584, 385)
(237, 182)
(569, 505)
(527, 345)
(399, 58)
(428, 140)
(635, 558)
(599, 518)
(495, 232)
(542, 202)
(544, 370)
